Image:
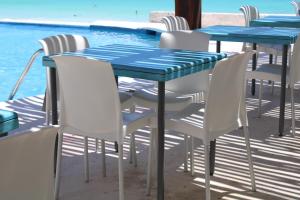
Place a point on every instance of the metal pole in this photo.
(116, 143)
(53, 95)
(161, 140)
(254, 63)
(283, 85)
(218, 47)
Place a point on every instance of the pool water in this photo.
(129, 10)
(19, 42)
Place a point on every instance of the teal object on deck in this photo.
(8, 121)
(277, 21)
(148, 63)
(259, 35)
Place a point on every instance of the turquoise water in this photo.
(19, 42)
(132, 10)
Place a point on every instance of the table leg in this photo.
(283, 85)
(116, 143)
(212, 157)
(53, 95)
(161, 140)
(271, 59)
(270, 62)
(218, 47)
(254, 63)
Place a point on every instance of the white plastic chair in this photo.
(223, 112)
(90, 107)
(175, 23)
(296, 5)
(252, 13)
(69, 43)
(273, 72)
(27, 162)
(56, 45)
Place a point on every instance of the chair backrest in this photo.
(175, 23)
(27, 165)
(187, 40)
(295, 63)
(250, 13)
(90, 104)
(60, 44)
(296, 5)
(226, 95)
(63, 43)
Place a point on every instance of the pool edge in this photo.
(149, 28)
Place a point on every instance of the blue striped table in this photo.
(146, 63)
(277, 21)
(258, 35)
(267, 35)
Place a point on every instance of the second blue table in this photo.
(259, 35)
(277, 21)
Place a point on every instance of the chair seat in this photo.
(8, 121)
(173, 101)
(189, 120)
(266, 72)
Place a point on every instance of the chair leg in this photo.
(257, 55)
(103, 158)
(275, 59)
(204, 96)
(121, 174)
(289, 56)
(47, 107)
(86, 160)
(186, 153)
(151, 160)
(192, 156)
(244, 47)
(293, 110)
(272, 89)
(97, 144)
(58, 165)
(130, 151)
(133, 150)
(247, 140)
(207, 171)
(260, 97)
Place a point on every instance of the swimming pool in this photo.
(19, 42)
(129, 10)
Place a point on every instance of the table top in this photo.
(277, 21)
(266, 35)
(148, 63)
